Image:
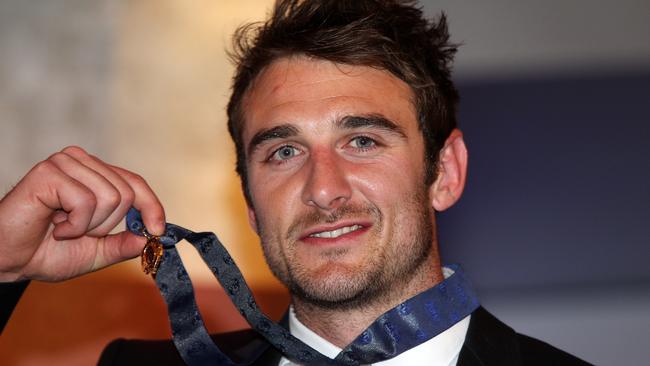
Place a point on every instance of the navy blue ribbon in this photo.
(411, 323)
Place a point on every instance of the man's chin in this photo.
(334, 286)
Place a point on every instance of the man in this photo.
(343, 115)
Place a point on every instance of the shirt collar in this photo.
(440, 350)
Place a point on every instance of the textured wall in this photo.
(54, 78)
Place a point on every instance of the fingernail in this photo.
(160, 228)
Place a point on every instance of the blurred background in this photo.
(553, 226)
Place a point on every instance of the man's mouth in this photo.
(336, 233)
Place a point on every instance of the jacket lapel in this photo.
(489, 342)
(267, 354)
(270, 357)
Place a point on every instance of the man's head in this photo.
(339, 113)
(383, 34)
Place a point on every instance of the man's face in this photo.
(335, 165)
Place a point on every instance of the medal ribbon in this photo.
(409, 324)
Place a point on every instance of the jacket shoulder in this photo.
(10, 293)
(491, 342)
(237, 345)
(536, 352)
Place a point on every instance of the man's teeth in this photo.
(336, 233)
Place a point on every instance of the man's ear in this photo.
(252, 219)
(451, 174)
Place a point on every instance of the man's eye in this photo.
(284, 153)
(362, 142)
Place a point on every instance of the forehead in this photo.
(299, 89)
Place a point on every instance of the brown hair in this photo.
(388, 35)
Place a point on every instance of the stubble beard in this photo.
(383, 272)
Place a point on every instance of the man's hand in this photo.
(54, 223)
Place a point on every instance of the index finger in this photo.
(146, 201)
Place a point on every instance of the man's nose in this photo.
(327, 186)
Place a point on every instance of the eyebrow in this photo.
(377, 121)
(277, 132)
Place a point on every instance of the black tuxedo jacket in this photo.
(489, 342)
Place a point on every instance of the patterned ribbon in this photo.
(409, 324)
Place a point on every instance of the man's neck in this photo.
(341, 326)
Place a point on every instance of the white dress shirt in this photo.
(442, 349)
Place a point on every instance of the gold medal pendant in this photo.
(151, 254)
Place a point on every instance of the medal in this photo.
(151, 254)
